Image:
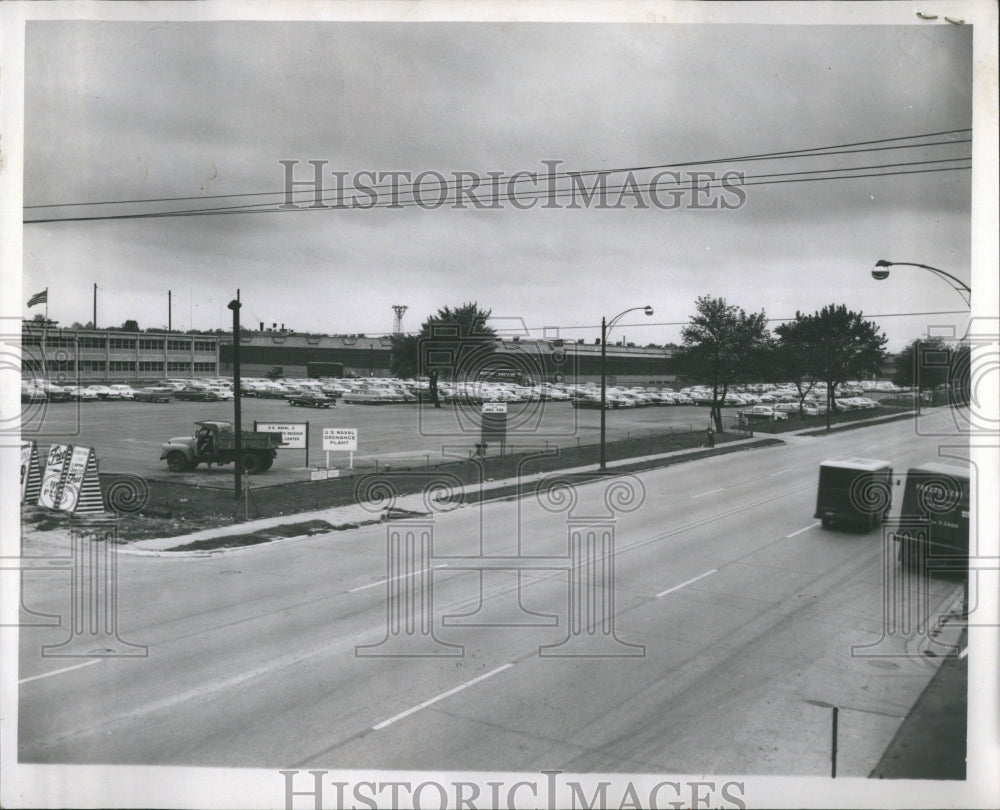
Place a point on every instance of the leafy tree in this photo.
(725, 346)
(130, 326)
(791, 360)
(453, 343)
(924, 362)
(833, 345)
(275, 373)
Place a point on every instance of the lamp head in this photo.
(881, 270)
(648, 311)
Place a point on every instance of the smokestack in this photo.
(261, 326)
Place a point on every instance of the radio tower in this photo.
(397, 326)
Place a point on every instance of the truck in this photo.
(934, 519)
(854, 491)
(214, 442)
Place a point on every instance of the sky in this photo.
(119, 112)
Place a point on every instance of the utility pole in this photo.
(237, 424)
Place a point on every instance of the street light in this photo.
(881, 273)
(605, 328)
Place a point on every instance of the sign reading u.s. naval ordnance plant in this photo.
(340, 439)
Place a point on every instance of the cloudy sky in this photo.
(124, 112)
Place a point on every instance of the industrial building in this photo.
(98, 356)
(111, 355)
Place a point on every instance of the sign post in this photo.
(494, 424)
(340, 439)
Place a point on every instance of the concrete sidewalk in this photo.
(931, 742)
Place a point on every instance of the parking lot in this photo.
(128, 435)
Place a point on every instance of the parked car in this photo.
(78, 392)
(154, 393)
(53, 392)
(102, 391)
(310, 399)
(30, 393)
(194, 393)
(763, 413)
(807, 409)
(123, 391)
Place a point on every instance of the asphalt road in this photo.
(128, 435)
(746, 612)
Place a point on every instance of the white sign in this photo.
(319, 475)
(494, 407)
(59, 455)
(74, 479)
(345, 439)
(25, 465)
(293, 435)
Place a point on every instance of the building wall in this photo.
(68, 356)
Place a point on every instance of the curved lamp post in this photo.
(605, 328)
(881, 272)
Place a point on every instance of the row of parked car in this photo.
(381, 391)
(44, 391)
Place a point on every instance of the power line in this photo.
(492, 202)
(458, 185)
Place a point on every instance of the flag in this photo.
(39, 298)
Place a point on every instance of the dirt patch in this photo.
(301, 529)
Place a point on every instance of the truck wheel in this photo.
(252, 463)
(267, 464)
(177, 461)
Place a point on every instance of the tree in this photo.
(130, 326)
(275, 373)
(723, 345)
(924, 363)
(449, 330)
(791, 360)
(833, 345)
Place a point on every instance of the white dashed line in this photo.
(683, 584)
(401, 576)
(442, 696)
(807, 528)
(60, 671)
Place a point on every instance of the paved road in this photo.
(746, 612)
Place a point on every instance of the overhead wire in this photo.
(459, 186)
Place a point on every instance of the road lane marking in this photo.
(60, 671)
(401, 576)
(693, 579)
(780, 472)
(442, 696)
(710, 492)
(807, 528)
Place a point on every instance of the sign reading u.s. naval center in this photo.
(293, 435)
